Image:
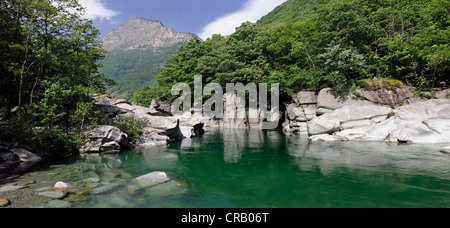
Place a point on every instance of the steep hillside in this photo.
(312, 44)
(138, 49)
(290, 11)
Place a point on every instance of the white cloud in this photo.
(96, 9)
(252, 11)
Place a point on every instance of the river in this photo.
(266, 169)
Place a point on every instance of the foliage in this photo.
(134, 128)
(312, 44)
(48, 67)
(133, 69)
(144, 96)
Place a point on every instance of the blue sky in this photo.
(202, 17)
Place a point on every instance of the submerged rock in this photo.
(59, 204)
(108, 188)
(152, 179)
(170, 188)
(53, 194)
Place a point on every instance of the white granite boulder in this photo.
(152, 179)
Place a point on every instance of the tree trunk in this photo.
(35, 85)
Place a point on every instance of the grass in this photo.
(377, 84)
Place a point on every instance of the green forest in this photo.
(131, 69)
(49, 67)
(312, 44)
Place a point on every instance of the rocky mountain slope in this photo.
(139, 33)
(138, 49)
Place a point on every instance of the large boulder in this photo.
(295, 112)
(393, 97)
(424, 122)
(443, 94)
(306, 97)
(327, 99)
(160, 108)
(25, 155)
(320, 126)
(334, 121)
(109, 134)
(104, 139)
(27, 160)
(161, 128)
(297, 116)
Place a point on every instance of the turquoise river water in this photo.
(267, 169)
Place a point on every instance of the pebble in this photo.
(4, 202)
(62, 186)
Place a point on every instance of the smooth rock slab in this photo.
(320, 126)
(26, 156)
(105, 189)
(10, 188)
(152, 179)
(326, 99)
(53, 194)
(446, 150)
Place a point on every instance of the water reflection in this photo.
(157, 158)
(233, 144)
(238, 141)
(414, 159)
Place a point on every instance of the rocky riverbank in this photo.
(75, 185)
(392, 116)
(16, 161)
(160, 127)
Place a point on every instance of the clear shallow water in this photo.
(254, 169)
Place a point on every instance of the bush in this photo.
(133, 128)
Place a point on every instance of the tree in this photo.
(49, 57)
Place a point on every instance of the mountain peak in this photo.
(142, 20)
(143, 33)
